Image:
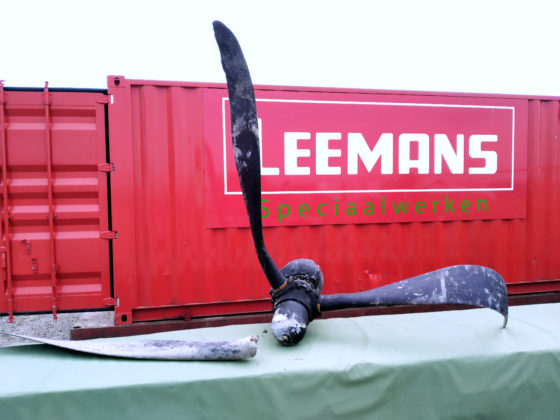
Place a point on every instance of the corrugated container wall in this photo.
(168, 262)
(54, 201)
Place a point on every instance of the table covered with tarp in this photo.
(453, 364)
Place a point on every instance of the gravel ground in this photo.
(44, 325)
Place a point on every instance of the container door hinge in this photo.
(102, 99)
(111, 301)
(106, 167)
(108, 234)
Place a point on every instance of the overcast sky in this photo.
(461, 46)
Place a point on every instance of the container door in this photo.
(54, 205)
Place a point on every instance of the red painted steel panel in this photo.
(167, 263)
(313, 181)
(62, 133)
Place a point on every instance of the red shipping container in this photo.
(374, 186)
(54, 200)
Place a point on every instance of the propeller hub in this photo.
(295, 302)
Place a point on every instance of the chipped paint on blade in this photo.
(461, 284)
(245, 140)
(239, 349)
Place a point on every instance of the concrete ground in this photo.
(44, 326)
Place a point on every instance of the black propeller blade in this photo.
(459, 284)
(296, 288)
(245, 138)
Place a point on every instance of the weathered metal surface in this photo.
(462, 284)
(300, 301)
(54, 201)
(240, 349)
(245, 138)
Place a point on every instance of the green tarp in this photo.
(441, 365)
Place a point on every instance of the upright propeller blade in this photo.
(461, 284)
(245, 138)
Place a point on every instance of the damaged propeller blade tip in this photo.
(240, 349)
(296, 288)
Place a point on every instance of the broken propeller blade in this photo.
(245, 139)
(239, 349)
(461, 284)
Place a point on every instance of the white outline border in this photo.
(512, 108)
